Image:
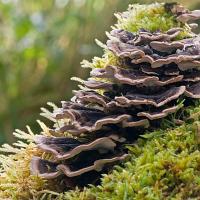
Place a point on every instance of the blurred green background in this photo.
(42, 43)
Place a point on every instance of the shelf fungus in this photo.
(153, 72)
(68, 155)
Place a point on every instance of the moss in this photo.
(137, 18)
(108, 58)
(152, 17)
(162, 165)
(16, 182)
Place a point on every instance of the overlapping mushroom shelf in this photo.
(73, 157)
(182, 14)
(156, 71)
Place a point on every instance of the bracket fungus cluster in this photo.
(154, 70)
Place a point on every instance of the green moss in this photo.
(108, 58)
(152, 17)
(16, 182)
(162, 165)
(137, 17)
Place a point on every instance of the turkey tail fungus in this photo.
(154, 70)
(150, 71)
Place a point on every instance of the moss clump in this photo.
(137, 18)
(15, 180)
(152, 17)
(162, 165)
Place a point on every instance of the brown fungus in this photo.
(185, 53)
(50, 170)
(182, 14)
(65, 148)
(154, 71)
(133, 77)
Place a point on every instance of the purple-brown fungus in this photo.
(156, 71)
